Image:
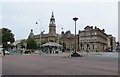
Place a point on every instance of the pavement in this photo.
(0, 66)
(54, 64)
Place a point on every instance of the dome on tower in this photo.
(31, 35)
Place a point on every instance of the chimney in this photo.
(95, 27)
(103, 30)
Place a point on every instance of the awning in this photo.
(51, 44)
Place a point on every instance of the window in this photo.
(81, 34)
(88, 29)
(87, 39)
(87, 34)
(82, 39)
(94, 33)
(94, 39)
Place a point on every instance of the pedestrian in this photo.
(3, 52)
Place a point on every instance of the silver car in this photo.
(6, 52)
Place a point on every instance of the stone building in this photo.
(91, 39)
(51, 36)
(68, 39)
(111, 42)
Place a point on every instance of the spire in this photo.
(52, 19)
(52, 15)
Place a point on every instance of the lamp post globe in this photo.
(75, 19)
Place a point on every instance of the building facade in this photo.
(68, 40)
(91, 39)
(51, 36)
(111, 43)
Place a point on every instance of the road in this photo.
(58, 65)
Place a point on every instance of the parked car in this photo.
(6, 52)
(113, 50)
(118, 49)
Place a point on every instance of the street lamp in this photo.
(75, 54)
(40, 31)
(62, 40)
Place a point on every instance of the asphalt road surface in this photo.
(58, 65)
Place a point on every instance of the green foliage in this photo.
(31, 44)
(64, 45)
(43, 42)
(7, 36)
(23, 42)
(12, 46)
(60, 42)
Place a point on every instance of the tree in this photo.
(12, 46)
(31, 44)
(60, 42)
(22, 41)
(7, 36)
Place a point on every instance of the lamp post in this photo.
(75, 54)
(63, 49)
(40, 31)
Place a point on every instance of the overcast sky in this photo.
(21, 17)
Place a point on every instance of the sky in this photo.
(20, 17)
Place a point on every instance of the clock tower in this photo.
(52, 29)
